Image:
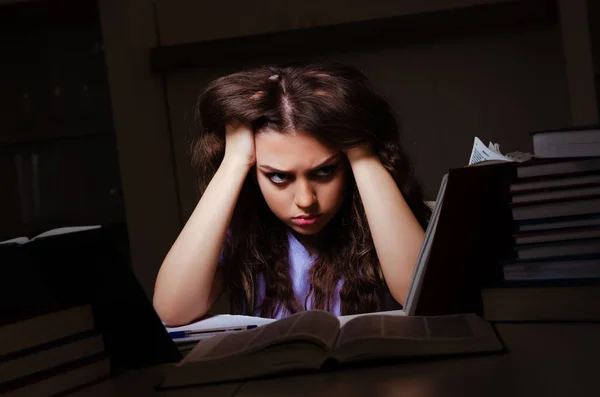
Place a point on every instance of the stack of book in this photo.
(51, 353)
(555, 204)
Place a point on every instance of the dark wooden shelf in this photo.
(53, 138)
(58, 150)
(355, 36)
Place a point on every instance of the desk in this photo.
(543, 360)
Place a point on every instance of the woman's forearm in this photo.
(188, 281)
(397, 234)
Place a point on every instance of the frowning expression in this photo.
(301, 179)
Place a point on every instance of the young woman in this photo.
(307, 200)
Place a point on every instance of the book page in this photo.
(16, 240)
(66, 230)
(313, 325)
(344, 319)
(372, 337)
(363, 327)
(318, 326)
(406, 327)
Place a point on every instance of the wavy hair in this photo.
(336, 104)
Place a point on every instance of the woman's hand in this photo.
(239, 144)
(359, 152)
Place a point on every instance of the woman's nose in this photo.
(305, 195)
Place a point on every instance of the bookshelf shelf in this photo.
(366, 35)
(58, 151)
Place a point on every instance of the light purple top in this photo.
(300, 263)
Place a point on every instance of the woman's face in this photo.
(301, 179)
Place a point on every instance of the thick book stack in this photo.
(555, 204)
(51, 353)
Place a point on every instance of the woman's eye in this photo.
(278, 178)
(325, 171)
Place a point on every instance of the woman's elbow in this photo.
(164, 310)
(173, 316)
(178, 304)
(399, 291)
(174, 313)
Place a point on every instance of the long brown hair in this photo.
(336, 104)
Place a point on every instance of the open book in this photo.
(306, 341)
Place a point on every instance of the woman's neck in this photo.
(310, 243)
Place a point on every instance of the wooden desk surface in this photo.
(543, 360)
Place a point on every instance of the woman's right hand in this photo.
(239, 144)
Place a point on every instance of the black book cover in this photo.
(473, 232)
(90, 267)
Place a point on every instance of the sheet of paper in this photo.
(481, 152)
(217, 321)
(492, 151)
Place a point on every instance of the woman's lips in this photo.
(305, 220)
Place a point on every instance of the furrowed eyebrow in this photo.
(268, 168)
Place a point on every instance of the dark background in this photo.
(95, 97)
